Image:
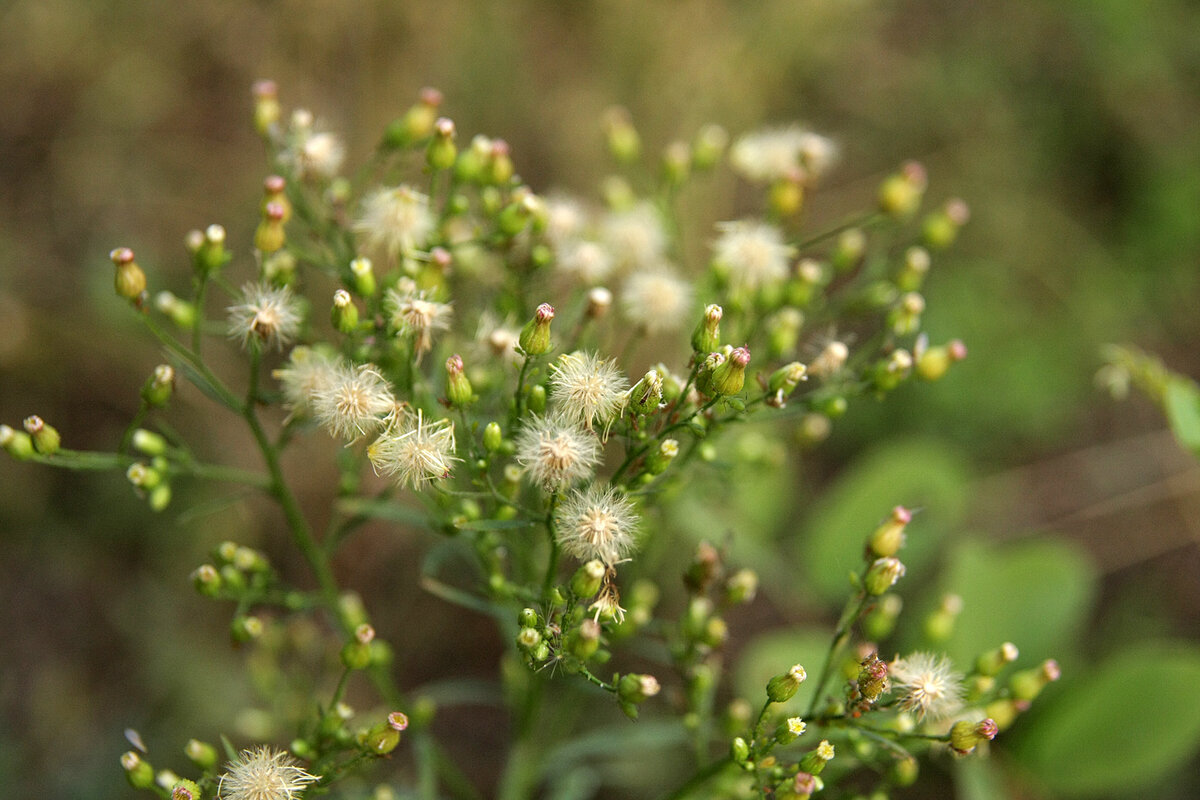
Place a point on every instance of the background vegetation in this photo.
(1071, 127)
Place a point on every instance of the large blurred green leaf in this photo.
(774, 653)
(1121, 728)
(922, 474)
(1182, 403)
(1036, 594)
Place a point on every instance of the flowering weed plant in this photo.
(532, 377)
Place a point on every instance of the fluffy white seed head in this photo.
(753, 253)
(415, 451)
(596, 524)
(413, 314)
(657, 300)
(307, 372)
(394, 221)
(635, 237)
(556, 452)
(585, 388)
(927, 685)
(355, 402)
(263, 774)
(268, 317)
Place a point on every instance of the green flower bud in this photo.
(130, 281)
(635, 689)
(211, 254)
(933, 362)
(882, 575)
(584, 641)
(417, 122)
(913, 270)
(623, 141)
(815, 760)
(270, 236)
(245, 628)
(1028, 684)
(848, 250)
(904, 771)
(441, 152)
(233, 579)
(498, 166)
(991, 662)
(138, 772)
(528, 639)
(19, 444)
(940, 229)
(148, 442)
(966, 735)
(708, 146)
(380, 739)
(661, 457)
(741, 587)
(275, 191)
(266, 106)
(587, 579)
(344, 314)
(458, 386)
(888, 538)
(900, 194)
(142, 476)
(785, 196)
(45, 438)
(783, 687)
(1004, 711)
(905, 318)
(356, 653)
(785, 379)
(202, 754)
(180, 312)
(739, 750)
(728, 377)
(535, 336)
(676, 163)
(493, 437)
(185, 790)
(159, 387)
(707, 336)
(351, 609)
(646, 394)
(789, 730)
(528, 618)
(518, 214)
(938, 627)
(363, 277)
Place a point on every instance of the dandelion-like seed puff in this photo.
(268, 316)
(927, 685)
(415, 451)
(354, 402)
(264, 774)
(596, 523)
(584, 387)
(556, 452)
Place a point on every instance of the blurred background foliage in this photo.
(1068, 524)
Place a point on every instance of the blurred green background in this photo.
(1072, 128)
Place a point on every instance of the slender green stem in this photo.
(197, 327)
(134, 424)
(552, 562)
(518, 395)
(850, 615)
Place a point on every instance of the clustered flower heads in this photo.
(470, 355)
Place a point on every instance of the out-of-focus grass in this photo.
(1071, 128)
